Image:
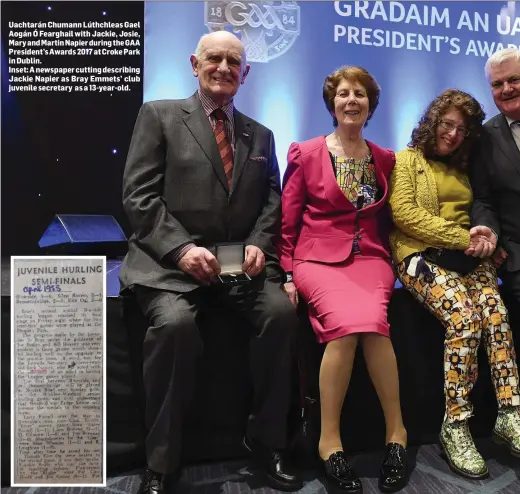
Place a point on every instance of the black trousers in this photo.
(511, 283)
(173, 346)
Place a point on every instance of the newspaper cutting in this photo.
(58, 370)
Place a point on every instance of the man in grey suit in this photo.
(200, 173)
(495, 175)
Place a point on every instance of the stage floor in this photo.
(113, 268)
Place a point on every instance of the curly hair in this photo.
(354, 74)
(424, 135)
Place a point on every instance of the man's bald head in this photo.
(220, 65)
(207, 40)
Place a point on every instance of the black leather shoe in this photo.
(340, 477)
(271, 463)
(153, 483)
(392, 476)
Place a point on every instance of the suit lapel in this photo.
(506, 141)
(198, 123)
(243, 140)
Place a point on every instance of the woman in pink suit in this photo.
(335, 252)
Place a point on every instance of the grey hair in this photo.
(200, 46)
(502, 56)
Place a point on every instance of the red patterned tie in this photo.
(224, 146)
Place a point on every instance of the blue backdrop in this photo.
(414, 50)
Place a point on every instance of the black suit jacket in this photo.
(175, 191)
(495, 179)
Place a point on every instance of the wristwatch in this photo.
(288, 277)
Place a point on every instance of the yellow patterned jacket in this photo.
(414, 205)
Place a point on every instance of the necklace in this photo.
(360, 146)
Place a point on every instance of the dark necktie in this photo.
(224, 146)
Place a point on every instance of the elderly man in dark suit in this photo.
(200, 173)
(495, 175)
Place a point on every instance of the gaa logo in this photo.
(267, 29)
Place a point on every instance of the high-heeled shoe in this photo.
(340, 477)
(392, 476)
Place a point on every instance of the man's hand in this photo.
(292, 293)
(499, 257)
(201, 264)
(483, 242)
(255, 261)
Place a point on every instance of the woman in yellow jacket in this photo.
(445, 264)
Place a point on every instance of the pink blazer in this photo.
(318, 221)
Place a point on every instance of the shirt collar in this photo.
(510, 121)
(210, 106)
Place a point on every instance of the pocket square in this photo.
(258, 158)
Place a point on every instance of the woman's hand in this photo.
(292, 293)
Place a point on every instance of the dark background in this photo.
(57, 148)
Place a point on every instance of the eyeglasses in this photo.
(461, 131)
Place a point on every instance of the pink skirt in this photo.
(346, 298)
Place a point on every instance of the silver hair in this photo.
(502, 56)
(200, 47)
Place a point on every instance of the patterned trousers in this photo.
(471, 310)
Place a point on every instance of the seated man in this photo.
(200, 173)
(495, 178)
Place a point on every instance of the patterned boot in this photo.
(463, 457)
(507, 429)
